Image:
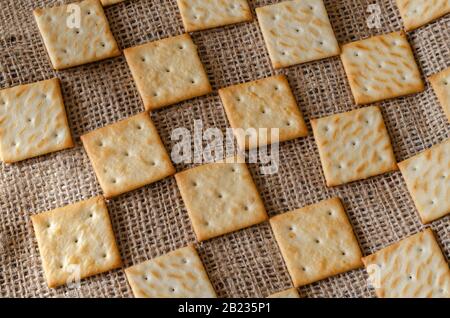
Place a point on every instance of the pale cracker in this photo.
(106, 3)
(267, 103)
(416, 13)
(316, 241)
(441, 85)
(206, 14)
(412, 268)
(76, 239)
(427, 177)
(33, 121)
(127, 155)
(288, 293)
(381, 67)
(296, 32)
(178, 274)
(354, 145)
(69, 46)
(167, 71)
(220, 198)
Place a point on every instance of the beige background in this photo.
(152, 221)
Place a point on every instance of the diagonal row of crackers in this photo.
(316, 241)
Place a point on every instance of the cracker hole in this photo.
(114, 181)
(263, 111)
(75, 241)
(29, 120)
(192, 81)
(153, 163)
(220, 196)
(61, 266)
(48, 225)
(283, 53)
(139, 127)
(100, 144)
(330, 213)
(77, 31)
(353, 143)
(410, 277)
(126, 154)
(304, 269)
(184, 260)
(180, 47)
(145, 277)
(321, 43)
(104, 255)
(13, 144)
(102, 44)
(291, 228)
(343, 253)
(143, 59)
(155, 94)
(238, 99)
(311, 7)
(443, 176)
(288, 123)
(445, 83)
(89, 12)
(380, 66)
(317, 241)
(432, 202)
(172, 290)
(167, 70)
(356, 54)
(91, 215)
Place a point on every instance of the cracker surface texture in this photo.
(441, 86)
(265, 104)
(296, 32)
(316, 241)
(220, 198)
(354, 145)
(76, 240)
(69, 44)
(381, 67)
(33, 121)
(412, 268)
(127, 155)
(106, 3)
(416, 13)
(288, 293)
(178, 274)
(167, 71)
(427, 176)
(206, 14)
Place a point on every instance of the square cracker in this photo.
(178, 274)
(266, 103)
(71, 46)
(167, 71)
(427, 177)
(206, 14)
(416, 13)
(412, 268)
(316, 241)
(288, 293)
(296, 32)
(354, 145)
(127, 155)
(381, 67)
(33, 121)
(77, 238)
(220, 198)
(106, 3)
(441, 85)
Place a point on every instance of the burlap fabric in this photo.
(153, 220)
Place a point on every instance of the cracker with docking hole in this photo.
(167, 71)
(441, 86)
(33, 121)
(68, 45)
(354, 145)
(288, 293)
(316, 241)
(266, 103)
(220, 198)
(412, 268)
(427, 176)
(106, 3)
(206, 14)
(296, 32)
(178, 274)
(381, 67)
(416, 13)
(76, 239)
(127, 155)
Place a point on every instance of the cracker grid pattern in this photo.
(152, 221)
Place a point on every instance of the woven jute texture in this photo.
(153, 220)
